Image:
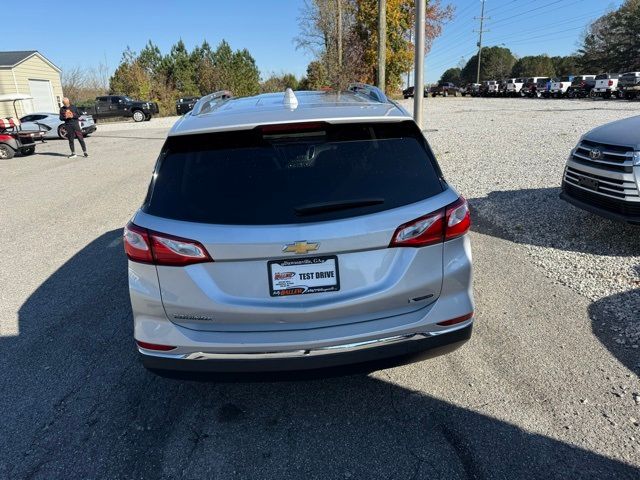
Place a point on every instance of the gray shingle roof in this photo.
(9, 59)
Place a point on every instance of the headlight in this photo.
(636, 159)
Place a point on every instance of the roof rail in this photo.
(207, 103)
(368, 90)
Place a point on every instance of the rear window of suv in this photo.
(292, 173)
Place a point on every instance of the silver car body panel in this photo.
(223, 309)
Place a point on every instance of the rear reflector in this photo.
(453, 321)
(153, 346)
(145, 246)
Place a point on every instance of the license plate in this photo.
(299, 276)
(589, 183)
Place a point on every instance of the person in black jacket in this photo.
(70, 115)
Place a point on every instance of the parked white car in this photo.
(514, 85)
(54, 127)
(559, 87)
(606, 85)
(492, 87)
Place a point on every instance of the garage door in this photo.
(42, 96)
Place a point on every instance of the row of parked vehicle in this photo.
(606, 85)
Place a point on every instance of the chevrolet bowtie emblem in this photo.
(300, 247)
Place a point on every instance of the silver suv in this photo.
(298, 231)
(602, 174)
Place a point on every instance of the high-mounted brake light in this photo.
(445, 224)
(146, 246)
(291, 127)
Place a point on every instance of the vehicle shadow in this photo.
(77, 404)
(539, 217)
(615, 320)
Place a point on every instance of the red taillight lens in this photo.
(175, 251)
(458, 219)
(420, 232)
(142, 245)
(136, 244)
(154, 346)
(610, 83)
(453, 321)
(561, 86)
(446, 224)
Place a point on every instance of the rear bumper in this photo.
(89, 130)
(370, 355)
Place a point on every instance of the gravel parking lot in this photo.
(547, 388)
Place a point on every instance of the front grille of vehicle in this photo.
(614, 187)
(613, 158)
(629, 209)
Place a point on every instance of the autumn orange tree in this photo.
(343, 37)
(400, 25)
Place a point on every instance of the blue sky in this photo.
(100, 31)
(527, 27)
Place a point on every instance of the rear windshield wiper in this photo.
(315, 208)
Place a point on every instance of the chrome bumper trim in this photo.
(328, 350)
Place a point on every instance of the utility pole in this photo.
(409, 72)
(481, 31)
(418, 92)
(382, 42)
(339, 2)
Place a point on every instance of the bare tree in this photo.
(73, 81)
(82, 84)
(327, 31)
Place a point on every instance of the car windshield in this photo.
(275, 175)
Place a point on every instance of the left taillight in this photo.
(445, 224)
(146, 246)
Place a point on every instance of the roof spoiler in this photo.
(208, 103)
(370, 91)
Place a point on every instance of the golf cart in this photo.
(12, 138)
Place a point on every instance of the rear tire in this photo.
(138, 116)
(6, 152)
(62, 132)
(28, 151)
(147, 118)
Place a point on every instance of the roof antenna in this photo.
(290, 99)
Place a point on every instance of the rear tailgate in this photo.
(288, 252)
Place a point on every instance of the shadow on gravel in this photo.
(539, 217)
(616, 322)
(76, 404)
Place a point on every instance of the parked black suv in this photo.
(112, 106)
(408, 92)
(185, 104)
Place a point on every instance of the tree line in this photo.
(340, 35)
(610, 44)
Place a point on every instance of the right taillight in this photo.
(146, 246)
(610, 83)
(561, 86)
(458, 219)
(445, 224)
